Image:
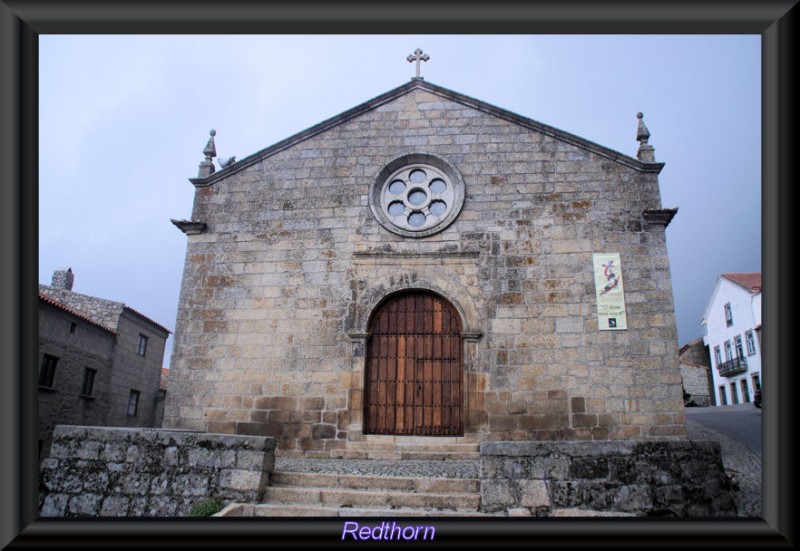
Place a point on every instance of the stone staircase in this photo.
(319, 494)
(374, 448)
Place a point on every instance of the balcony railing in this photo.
(733, 367)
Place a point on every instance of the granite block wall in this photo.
(124, 472)
(78, 345)
(696, 384)
(679, 479)
(277, 292)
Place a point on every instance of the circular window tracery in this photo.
(416, 199)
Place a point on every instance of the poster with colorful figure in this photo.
(610, 293)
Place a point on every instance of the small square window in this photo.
(728, 315)
(72, 327)
(142, 349)
(88, 381)
(47, 371)
(133, 403)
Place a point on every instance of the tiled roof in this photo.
(100, 310)
(65, 308)
(146, 318)
(689, 344)
(750, 280)
(684, 362)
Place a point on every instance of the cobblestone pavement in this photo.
(736, 458)
(381, 467)
(739, 460)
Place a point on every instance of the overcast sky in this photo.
(124, 119)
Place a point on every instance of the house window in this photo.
(734, 394)
(88, 381)
(739, 346)
(72, 327)
(745, 392)
(133, 403)
(723, 396)
(704, 328)
(728, 351)
(717, 355)
(751, 343)
(728, 315)
(142, 345)
(47, 371)
(756, 381)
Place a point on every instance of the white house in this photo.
(732, 331)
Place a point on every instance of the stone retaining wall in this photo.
(119, 472)
(684, 479)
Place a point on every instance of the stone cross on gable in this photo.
(418, 56)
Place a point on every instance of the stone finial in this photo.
(63, 279)
(646, 153)
(418, 56)
(210, 151)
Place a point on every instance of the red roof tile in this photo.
(65, 308)
(146, 318)
(750, 281)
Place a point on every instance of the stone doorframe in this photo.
(371, 295)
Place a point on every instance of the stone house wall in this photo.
(135, 372)
(696, 383)
(278, 291)
(87, 346)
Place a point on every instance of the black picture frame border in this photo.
(22, 21)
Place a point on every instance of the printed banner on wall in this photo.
(610, 294)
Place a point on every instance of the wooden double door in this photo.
(414, 372)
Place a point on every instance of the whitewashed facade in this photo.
(731, 329)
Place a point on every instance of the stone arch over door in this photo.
(414, 369)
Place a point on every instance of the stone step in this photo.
(393, 453)
(371, 498)
(288, 510)
(400, 451)
(366, 482)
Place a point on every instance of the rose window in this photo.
(417, 199)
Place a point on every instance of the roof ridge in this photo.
(53, 302)
(403, 89)
(117, 304)
(750, 281)
(151, 320)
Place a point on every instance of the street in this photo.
(741, 422)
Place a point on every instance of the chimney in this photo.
(62, 279)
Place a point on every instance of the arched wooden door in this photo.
(414, 372)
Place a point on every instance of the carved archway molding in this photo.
(371, 293)
(377, 290)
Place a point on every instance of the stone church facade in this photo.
(418, 271)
